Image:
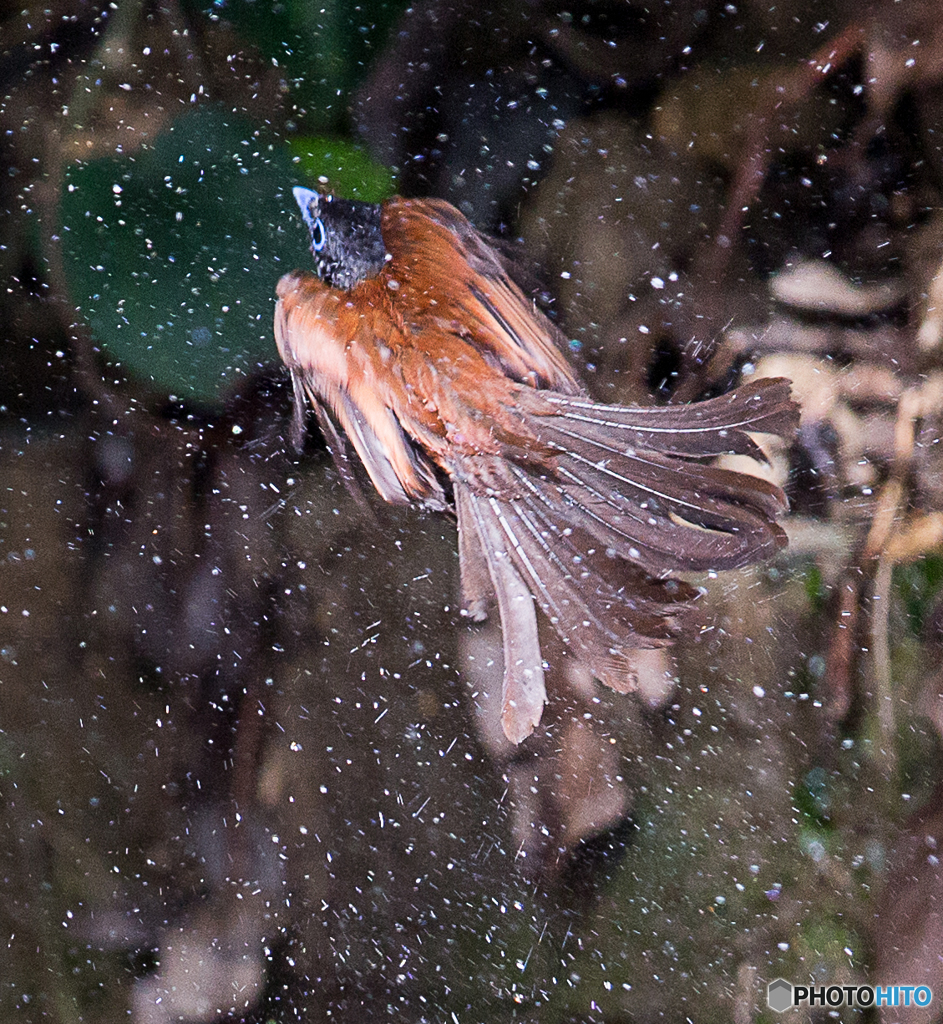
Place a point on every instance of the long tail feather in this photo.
(718, 426)
(524, 693)
(478, 591)
(623, 502)
(661, 518)
(630, 478)
(602, 607)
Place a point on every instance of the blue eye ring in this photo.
(318, 237)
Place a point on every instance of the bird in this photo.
(413, 345)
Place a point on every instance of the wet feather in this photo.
(434, 365)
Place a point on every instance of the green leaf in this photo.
(173, 252)
(346, 168)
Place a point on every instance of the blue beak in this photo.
(305, 198)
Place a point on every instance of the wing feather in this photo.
(437, 252)
(323, 346)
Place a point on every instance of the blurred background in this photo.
(250, 760)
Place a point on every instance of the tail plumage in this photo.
(625, 498)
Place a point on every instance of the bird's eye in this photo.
(317, 235)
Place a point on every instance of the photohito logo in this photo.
(782, 995)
